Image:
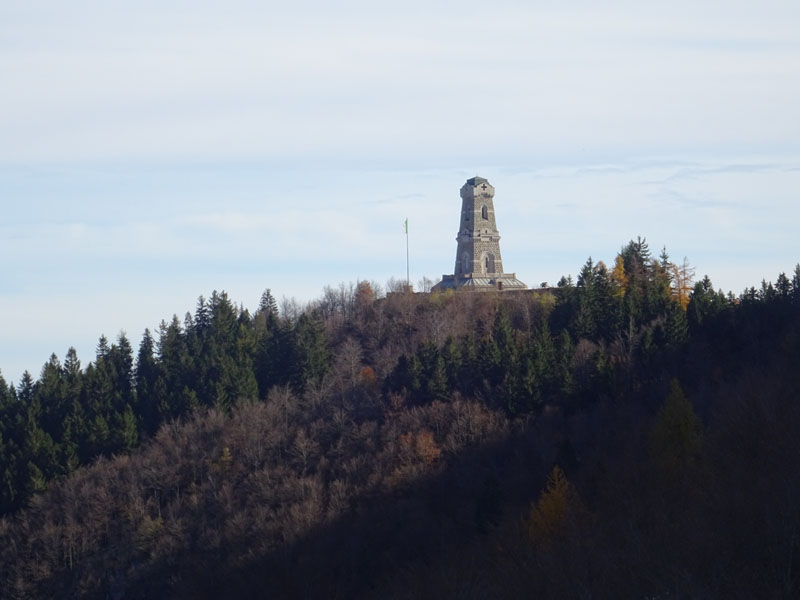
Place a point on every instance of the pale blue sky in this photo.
(151, 154)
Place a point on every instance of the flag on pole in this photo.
(408, 277)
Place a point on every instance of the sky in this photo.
(152, 152)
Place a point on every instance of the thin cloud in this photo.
(394, 200)
(698, 172)
(685, 200)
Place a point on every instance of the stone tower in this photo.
(478, 262)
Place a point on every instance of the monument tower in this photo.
(478, 266)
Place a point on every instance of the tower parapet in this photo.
(478, 265)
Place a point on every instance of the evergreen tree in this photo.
(470, 372)
(645, 285)
(72, 373)
(433, 375)
(202, 317)
(407, 375)
(544, 362)
(584, 319)
(660, 289)
(38, 452)
(120, 363)
(557, 503)
(268, 306)
(783, 287)
(217, 371)
(491, 361)
(13, 417)
(636, 257)
(25, 390)
(704, 304)
(606, 305)
(102, 347)
(313, 358)
(275, 349)
(125, 431)
(676, 439)
(767, 293)
(564, 362)
(796, 284)
(451, 355)
(176, 395)
(503, 335)
(676, 326)
(246, 385)
(42, 458)
(146, 376)
(528, 382)
(52, 398)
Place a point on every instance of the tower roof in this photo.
(477, 180)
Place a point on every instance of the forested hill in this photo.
(630, 433)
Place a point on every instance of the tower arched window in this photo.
(485, 212)
(488, 263)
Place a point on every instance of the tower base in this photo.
(480, 282)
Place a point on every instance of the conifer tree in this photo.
(469, 374)
(25, 390)
(564, 363)
(407, 375)
(783, 287)
(676, 438)
(584, 321)
(503, 336)
(491, 361)
(451, 355)
(544, 360)
(121, 366)
(268, 306)
(102, 347)
(676, 326)
(146, 375)
(202, 317)
(52, 398)
(433, 375)
(682, 282)
(607, 307)
(557, 503)
(705, 303)
(274, 356)
(178, 370)
(312, 356)
(125, 430)
(13, 417)
(796, 284)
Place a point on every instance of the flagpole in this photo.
(408, 277)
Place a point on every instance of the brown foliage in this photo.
(217, 491)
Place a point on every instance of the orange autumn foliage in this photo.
(423, 444)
